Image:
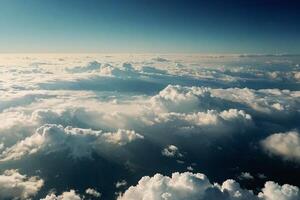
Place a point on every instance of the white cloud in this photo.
(190, 168)
(181, 186)
(286, 145)
(121, 183)
(1, 146)
(175, 98)
(171, 151)
(93, 192)
(207, 122)
(261, 176)
(91, 66)
(274, 102)
(70, 195)
(274, 191)
(160, 59)
(80, 142)
(14, 185)
(121, 137)
(245, 175)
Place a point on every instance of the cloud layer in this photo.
(88, 122)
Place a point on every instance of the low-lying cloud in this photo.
(286, 145)
(197, 186)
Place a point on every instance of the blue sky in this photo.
(139, 26)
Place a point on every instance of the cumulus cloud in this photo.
(274, 191)
(14, 185)
(171, 151)
(197, 186)
(126, 71)
(190, 168)
(121, 183)
(93, 192)
(285, 145)
(121, 137)
(261, 176)
(70, 195)
(79, 142)
(94, 65)
(245, 175)
(207, 122)
(276, 102)
(175, 98)
(160, 59)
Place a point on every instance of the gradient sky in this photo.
(139, 26)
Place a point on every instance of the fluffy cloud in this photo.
(93, 192)
(70, 195)
(160, 59)
(14, 185)
(175, 98)
(269, 101)
(121, 183)
(245, 175)
(126, 71)
(79, 142)
(207, 122)
(286, 145)
(121, 137)
(274, 191)
(171, 151)
(91, 66)
(197, 187)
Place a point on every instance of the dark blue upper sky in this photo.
(169, 26)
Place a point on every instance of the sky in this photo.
(149, 26)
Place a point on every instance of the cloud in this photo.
(207, 122)
(93, 192)
(190, 168)
(70, 195)
(153, 70)
(79, 142)
(285, 145)
(121, 137)
(160, 59)
(197, 186)
(91, 66)
(94, 102)
(273, 191)
(21, 98)
(121, 183)
(175, 98)
(14, 185)
(261, 176)
(267, 55)
(273, 102)
(171, 151)
(245, 176)
(126, 71)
